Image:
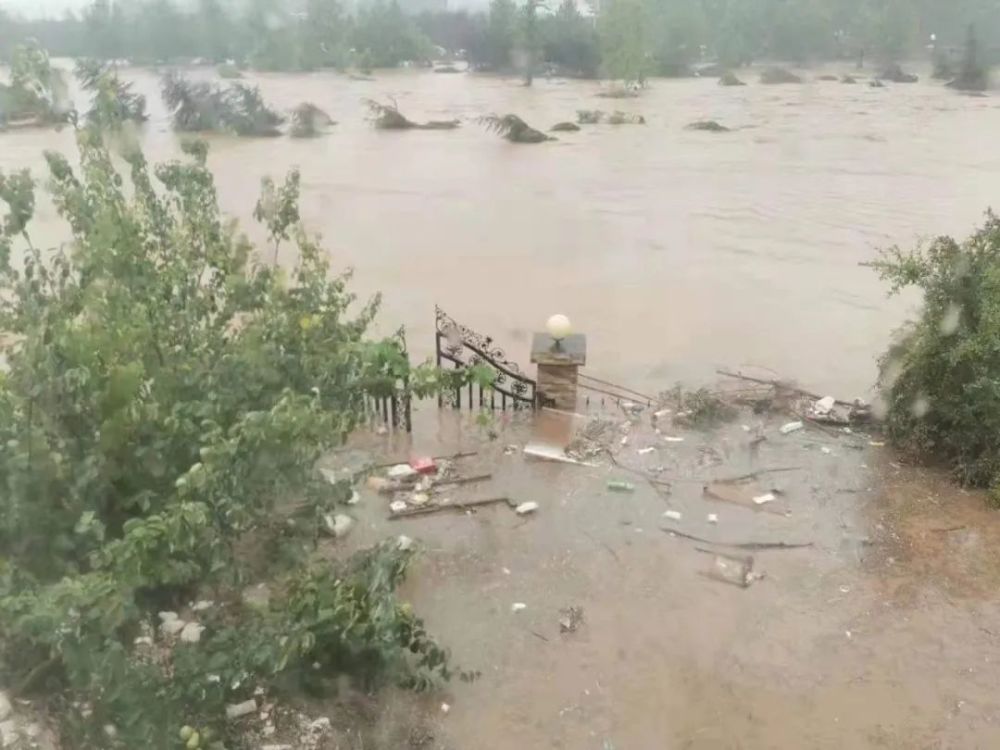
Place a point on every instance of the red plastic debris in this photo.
(423, 465)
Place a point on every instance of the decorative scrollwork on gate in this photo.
(464, 347)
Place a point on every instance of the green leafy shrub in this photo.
(941, 380)
(164, 402)
(205, 107)
(113, 102)
(37, 90)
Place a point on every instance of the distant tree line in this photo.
(627, 39)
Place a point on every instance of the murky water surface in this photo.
(675, 251)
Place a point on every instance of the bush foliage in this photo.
(165, 397)
(941, 380)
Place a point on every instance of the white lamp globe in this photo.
(559, 327)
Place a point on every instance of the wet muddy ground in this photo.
(882, 634)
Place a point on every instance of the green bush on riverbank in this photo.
(941, 379)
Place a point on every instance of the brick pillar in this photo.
(558, 366)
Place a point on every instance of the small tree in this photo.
(623, 28)
(940, 380)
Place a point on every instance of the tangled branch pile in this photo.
(205, 107)
(162, 411)
(940, 379)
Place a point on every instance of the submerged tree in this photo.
(37, 91)
(972, 75)
(309, 121)
(388, 117)
(203, 107)
(624, 30)
(514, 129)
(113, 101)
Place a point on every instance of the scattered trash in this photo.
(402, 511)
(791, 427)
(445, 708)
(848, 633)
(712, 518)
(570, 619)
(354, 499)
(404, 543)
(672, 439)
(506, 571)
(239, 710)
(419, 498)
(744, 493)
(672, 514)
(525, 508)
(518, 606)
(202, 605)
(510, 450)
(401, 471)
(645, 451)
(824, 405)
(620, 485)
(876, 443)
(171, 624)
(624, 440)
(551, 453)
(737, 571)
(423, 465)
(738, 545)
(397, 506)
(824, 449)
(767, 497)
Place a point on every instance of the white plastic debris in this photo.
(202, 605)
(401, 471)
(876, 443)
(712, 518)
(397, 506)
(674, 515)
(824, 449)
(419, 498)
(518, 606)
(322, 724)
(171, 624)
(625, 440)
(824, 405)
(525, 508)
(506, 571)
(767, 497)
(191, 632)
(355, 498)
(445, 708)
(239, 710)
(790, 427)
(404, 543)
(671, 439)
(645, 451)
(167, 616)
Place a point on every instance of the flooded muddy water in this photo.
(675, 251)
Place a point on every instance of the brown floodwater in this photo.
(675, 251)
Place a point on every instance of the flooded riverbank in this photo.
(674, 250)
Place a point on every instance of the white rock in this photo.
(355, 498)
(790, 427)
(401, 471)
(5, 707)
(397, 506)
(167, 616)
(202, 605)
(824, 405)
(337, 525)
(172, 627)
(404, 543)
(767, 497)
(518, 606)
(191, 633)
(525, 508)
(712, 518)
(674, 515)
(239, 710)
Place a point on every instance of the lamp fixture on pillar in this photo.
(559, 327)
